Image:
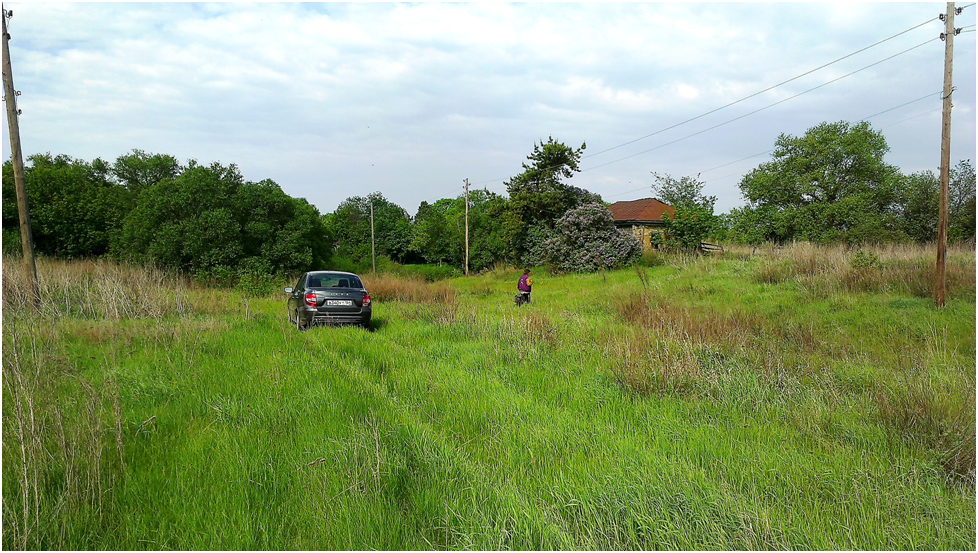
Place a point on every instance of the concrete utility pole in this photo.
(17, 160)
(373, 256)
(466, 227)
(942, 224)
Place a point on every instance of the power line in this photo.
(761, 109)
(913, 117)
(762, 91)
(746, 98)
(771, 150)
(901, 105)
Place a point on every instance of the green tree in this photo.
(138, 170)
(208, 221)
(917, 208)
(349, 225)
(187, 223)
(538, 196)
(693, 220)
(683, 192)
(439, 230)
(279, 234)
(829, 185)
(434, 240)
(76, 209)
(11, 218)
(961, 201)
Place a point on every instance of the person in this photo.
(525, 286)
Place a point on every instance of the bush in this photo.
(586, 240)
(865, 260)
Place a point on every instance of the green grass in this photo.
(776, 416)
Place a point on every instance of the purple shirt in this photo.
(523, 286)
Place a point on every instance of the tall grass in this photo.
(906, 269)
(97, 289)
(682, 406)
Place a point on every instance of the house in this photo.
(642, 218)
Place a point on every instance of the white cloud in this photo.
(409, 99)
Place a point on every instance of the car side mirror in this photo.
(288, 289)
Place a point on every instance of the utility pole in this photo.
(373, 256)
(942, 224)
(17, 160)
(466, 227)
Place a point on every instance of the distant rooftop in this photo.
(646, 210)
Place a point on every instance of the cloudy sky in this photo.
(338, 100)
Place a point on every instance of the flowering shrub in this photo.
(586, 240)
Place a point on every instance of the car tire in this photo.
(298, 322)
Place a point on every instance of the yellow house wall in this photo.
(644, 235)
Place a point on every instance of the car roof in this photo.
(332, 273)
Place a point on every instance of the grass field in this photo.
(804, 398)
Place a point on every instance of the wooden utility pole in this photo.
(466, 227)
(373, 256)
(17, 160)
(942, 224)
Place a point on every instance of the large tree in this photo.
(76, 209)
(693, 220)
(439, 230)
(961, 201)
(829, 185)
(538, 197)
(138, 170)
(349, 225)
(208, 220)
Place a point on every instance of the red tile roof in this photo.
(644, 210)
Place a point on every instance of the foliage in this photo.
(75, 207)
(829, 185)
(917, 208)
(693, 220)
(688, 227)
(686, 191)
(961, 201)
(439, 231)
(349, 225)
(538, 196)
(209, 221)
(586, 240)
(138, 170)
(865, 260)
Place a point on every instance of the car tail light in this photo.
(311, 299)
(366, 300)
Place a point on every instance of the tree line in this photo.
(830, 185)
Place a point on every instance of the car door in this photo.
(297, 293)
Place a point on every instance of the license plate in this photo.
(346, 303)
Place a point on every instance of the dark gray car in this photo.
(328, 297)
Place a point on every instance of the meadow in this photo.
(768, 398)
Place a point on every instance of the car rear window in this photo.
(333, 281)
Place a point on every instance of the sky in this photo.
(338, 100)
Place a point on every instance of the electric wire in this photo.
(758, 110)
(762, 91)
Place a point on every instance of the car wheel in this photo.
(298, 322)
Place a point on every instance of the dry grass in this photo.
(410, 290)
(824, 270)
(63, 452)
(939, 418)
(105, 290)
(729, 329)
(654, 367)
